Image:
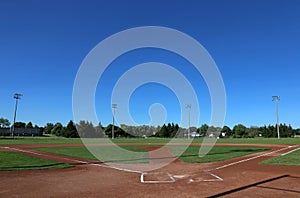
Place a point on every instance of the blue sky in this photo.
(255, 44)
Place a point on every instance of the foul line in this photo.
(73, 160)
(252, 158)
(290, 152)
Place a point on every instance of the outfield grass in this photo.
(40, 140)
(216, 154)
(259, 141)
(111, 154)
(291, 159)
(59, 140)
(104, 153)
(19, 161)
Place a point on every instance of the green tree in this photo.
(239, 131)
(20, 125)
(29, 125)
(48, 128)
(203, 130)
(70, 130)
(86, 129)
(4, 123)
(118, 132)
(99, 130)
(58, 129)
(163, 132)
(226, 131)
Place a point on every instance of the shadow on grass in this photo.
(37, 167)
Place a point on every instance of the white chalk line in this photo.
(255, 157)
(290, 152)
(73, 160)
(142, 180)
(172, 180)
(217, 178)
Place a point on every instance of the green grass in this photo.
(104, 153)
(40, 140)
(111, 154)
(260, 140)
(19, 161)
(291, 159)
(218, 153)
(60, 140)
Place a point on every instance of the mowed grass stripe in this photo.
(122, 154)
(139, 155)
(291, 159)
(216, 154)
(20, 161)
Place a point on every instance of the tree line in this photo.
(88, 130)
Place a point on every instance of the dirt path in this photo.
(239, 177)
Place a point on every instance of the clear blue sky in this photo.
(255, 44)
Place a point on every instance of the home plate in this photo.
(157, 177)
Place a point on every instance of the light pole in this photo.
(277, 98)
(188, 106)
(114, 106)
(17, 96)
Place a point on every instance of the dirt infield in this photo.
(239, 177)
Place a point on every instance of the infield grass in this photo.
(20, 161)
(291, 159)
(113, 154)
(216, 154)
(126, 155)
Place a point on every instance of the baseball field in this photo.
(58, 167)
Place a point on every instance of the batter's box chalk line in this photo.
(163, 177)
(205, 177)
(157, 177)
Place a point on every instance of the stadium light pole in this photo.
(17, 96)
(114, 106)
(277, 98)
(188, 106)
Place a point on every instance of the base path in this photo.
(239, 177)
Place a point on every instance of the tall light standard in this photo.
(188, 106)
(277, 98)
(114, 106)
(17, 96)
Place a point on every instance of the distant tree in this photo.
(86, 129)
(99, 130)
(252, 132)
(118, 132)
(163, 132)
(239, 131)
(4, 123)
(58, 129)
(226, 131)
(203, 129)
(29, 125)
(70, 130)
(48, 128)
(20, 125)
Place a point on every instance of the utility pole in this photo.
(188, 106)
(277, 98)
(114, 106)
(17, 96)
